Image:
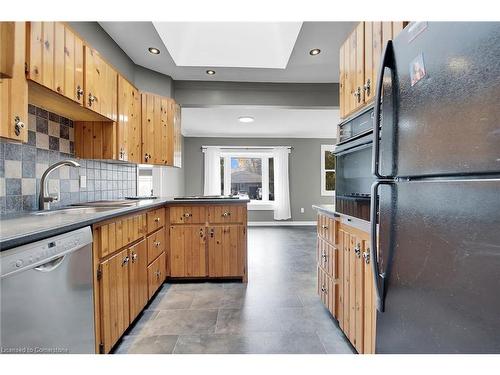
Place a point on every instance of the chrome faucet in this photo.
(44, 201)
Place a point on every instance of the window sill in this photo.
(260, 206)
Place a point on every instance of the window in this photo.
(249, 174)
(144, 180)
(327, 170)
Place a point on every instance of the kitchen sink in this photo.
(76, 210)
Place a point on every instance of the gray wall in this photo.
(154, 82)
(304, 169)
(200, 93)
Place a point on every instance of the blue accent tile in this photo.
(12, 151)
(13, 203)
(65, 198)
(12, 186)
(29, 168)
(64, 131)
(42, 125)
(29, 203)
(2, 205)
(29, 153)
(54, 156)
(42, 113)
(53, 143)
(65, 186)
(73, 173)
(31, 109)
(75, 197)
(42, 156)
(31, 138)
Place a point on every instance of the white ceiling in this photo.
(229, 44)
(270, 122)
(136, 37)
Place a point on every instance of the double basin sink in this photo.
(88, 208)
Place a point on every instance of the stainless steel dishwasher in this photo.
(46, 296)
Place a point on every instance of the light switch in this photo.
(302, 210)
(83, 181)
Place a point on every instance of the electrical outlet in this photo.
(83, 181)
(302, 210)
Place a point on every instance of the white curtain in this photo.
(212, 185)
(281, 184)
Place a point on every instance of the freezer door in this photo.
(448, 121)
(440, 251)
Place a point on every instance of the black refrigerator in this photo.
(435, 204)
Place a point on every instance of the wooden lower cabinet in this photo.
(156, 274)
(188, 251)
(138, 278)
(345, 283)
(114, 298)
(226, 250)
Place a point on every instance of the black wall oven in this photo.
(353, 166)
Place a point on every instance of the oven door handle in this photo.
(388, 61)
(378, 278)
(349, 150)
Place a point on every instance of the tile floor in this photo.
(278, 311)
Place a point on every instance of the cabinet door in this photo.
(138, 278)
(148, 108)
(161, 130)
(187, 251)
(14, 93)
(7, 46)
(59, 58)
(369, 303)
(373, 52)
(34, 51)
(114, 298)
(170, 132)
(73, 66)
(225, 256)
(128, 138)
(342, 82)
(177, 137)
(156, 274)
(48, 54)
(359, 52)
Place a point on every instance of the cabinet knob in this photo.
(187, 214)
(357, 250)
(79, 92)
(323, 289)
(91, 99)
(226, 214)
(157, 243)
(134, 257)
(324, 226)
(157, 219)
(125, 261)
(18, 125)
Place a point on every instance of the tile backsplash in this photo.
(50, 139)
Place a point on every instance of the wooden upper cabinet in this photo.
(177, 162)
(100, 85)
(128, 125)
(359, 63)
(72, 54)
(14, 92)
(7, 46)
(160, 124)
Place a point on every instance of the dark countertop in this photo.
(23, 228)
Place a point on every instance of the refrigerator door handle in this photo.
(378, 278)
(387, 62)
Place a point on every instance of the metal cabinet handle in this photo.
(157, 219)
(134, 257)
(367, 87)
(324, 226)
(366, 256)
(226, 214)
(18, 125)
(92, 99)
(157, 243)
(187, 214)
(79, 92)
(323, 289)
(125, 261)
(212, 232)
(147, 157)
(357, 250)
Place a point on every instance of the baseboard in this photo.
(279, 223)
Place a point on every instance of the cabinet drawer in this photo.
(156, 219)
(327, 256)
(187, 214)
(327, 290)
(221, 214)
(156, 244)
(327, 228)
(156, 274)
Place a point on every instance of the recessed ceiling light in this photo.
(246, 119)
(315, 51)
(210, 72)
(154, 51)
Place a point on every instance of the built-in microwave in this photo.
(353, 173)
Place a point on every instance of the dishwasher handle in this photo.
(50, 265)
